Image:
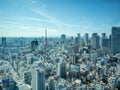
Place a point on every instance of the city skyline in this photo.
(31, 17)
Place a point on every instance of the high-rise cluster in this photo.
(62, 63)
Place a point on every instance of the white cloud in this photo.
(53, 20)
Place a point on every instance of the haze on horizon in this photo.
(28, 18)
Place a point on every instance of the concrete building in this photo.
(51, 84)
(115, 40)
(27, 77)
(38, 79)
(95, 41)
(34, 45)
(86, 38)
(63, 38)
(3, 41)
(61, 71)
(104, 40)
(79, 38)
(76, 45)
(104, 44)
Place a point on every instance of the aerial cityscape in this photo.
(59, 45)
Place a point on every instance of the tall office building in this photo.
(76, 41)
(76, 46)
(38, 79)
(3, 41)
(79, 38)
(63, 38)
(115, 40)
(27, 77)
(109, 44)
(61, 71)
(51, 84)
(104, 40)
(21, 42)
(103, 35)
(95, 41)
(86, 38)
(34, 45)
(69, 49)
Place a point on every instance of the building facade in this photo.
(95, 41)
(115, 40)
(38, 79)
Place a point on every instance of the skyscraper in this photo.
(63, 38)
(79, 38)
(115, 40)
(95, 41)
(62, 70)
(104, 40)
(51, 84)
(3, 41)
(34, 45)
(38, 79)
(86, 38)
(76, 46)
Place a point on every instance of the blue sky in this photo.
(31, 17)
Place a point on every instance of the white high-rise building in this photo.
(38, 79)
